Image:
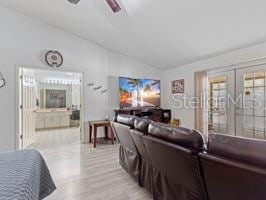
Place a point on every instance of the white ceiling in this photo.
(165, 33)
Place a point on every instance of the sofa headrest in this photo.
(142, 124)
(178, 135)
(126, 120)
(250, 151)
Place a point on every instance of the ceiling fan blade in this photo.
(74, 1)
(118, 20)
(114, 5)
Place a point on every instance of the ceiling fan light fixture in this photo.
(73, 1)
(114, 5)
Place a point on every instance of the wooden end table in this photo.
(94, 125)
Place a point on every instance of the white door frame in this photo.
(17, 102)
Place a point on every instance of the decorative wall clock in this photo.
(2, 80)
(54, 58)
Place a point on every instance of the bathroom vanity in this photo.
(52, 118)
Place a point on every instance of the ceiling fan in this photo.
(112, 3)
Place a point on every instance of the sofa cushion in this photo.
(142, 125)
(129, 161)
(126, 119)
(250, 151)
(181, 136)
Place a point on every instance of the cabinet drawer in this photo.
(65, 121)
(52, 122)
(39, 123)
(54, 114)
(39, 115)
(57, 114)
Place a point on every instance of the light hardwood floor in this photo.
(83, 173)
(56, 137)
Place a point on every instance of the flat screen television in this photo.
(139, 92)
(55, 99)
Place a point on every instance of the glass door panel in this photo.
(221, 85)
(216, 86)
(250, 109)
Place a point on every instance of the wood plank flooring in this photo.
(83, 173)
(56, 137)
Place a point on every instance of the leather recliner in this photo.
(128, 155)
(173, 153)
(146, 170)
(234, 168)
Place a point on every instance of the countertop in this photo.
(52, 110)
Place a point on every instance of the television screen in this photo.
(149, 92)
(139, 92)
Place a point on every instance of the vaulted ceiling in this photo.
(162, 33)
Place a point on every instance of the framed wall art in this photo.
(178, 86)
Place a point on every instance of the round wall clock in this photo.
(54, 58)
(2, 80)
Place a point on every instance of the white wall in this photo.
(22, 43)
(186, 72)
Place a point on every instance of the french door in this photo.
(221, 111)
(27, 107)
(250, 107)
(237, 102)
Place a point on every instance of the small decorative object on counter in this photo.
(175, 122)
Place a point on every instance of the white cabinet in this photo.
(39, 123)
(53, 119)
(39, 115)
(64, 121)
(52, 122)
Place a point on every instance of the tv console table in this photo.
(155, 114)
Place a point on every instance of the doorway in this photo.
(237, 102)
(50, 111)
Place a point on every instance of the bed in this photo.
(24, 176)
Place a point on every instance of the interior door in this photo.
(250, 107)
(28, 98)
(221, 111)
(81, 110)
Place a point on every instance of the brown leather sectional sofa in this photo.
(172, 164)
